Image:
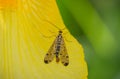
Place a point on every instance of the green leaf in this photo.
(82, 20)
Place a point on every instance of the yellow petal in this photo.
(8, 4)
(23, 43)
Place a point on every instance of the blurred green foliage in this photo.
(96, 25)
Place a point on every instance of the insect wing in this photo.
(50, 55)
(63, 54)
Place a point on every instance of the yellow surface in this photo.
(8, 4)
(24, 41)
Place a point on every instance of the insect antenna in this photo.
(54, 25)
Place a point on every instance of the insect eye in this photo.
(67, 57)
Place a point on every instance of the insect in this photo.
(57, 50)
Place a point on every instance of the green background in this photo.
(96, 25)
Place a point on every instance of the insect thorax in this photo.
(60, 32)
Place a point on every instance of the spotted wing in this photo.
(63, 54)
(51, 53)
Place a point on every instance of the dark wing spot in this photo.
(63, 56)
(66, 64)
(46, 61)
(47, 54)
(49, 60)
(67, 56)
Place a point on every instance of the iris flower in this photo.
(25, 37)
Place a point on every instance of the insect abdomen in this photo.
(57, 53)
(58, 46)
